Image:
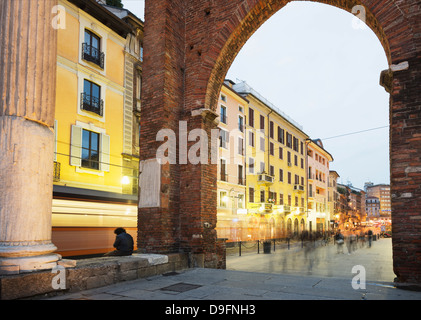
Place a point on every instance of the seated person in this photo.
(123, 243)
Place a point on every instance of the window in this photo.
(272, 171)
(91, 49)
(262, 195)
(251, 139)
(295, 143)
(223, 114)
(271, 149)
(223, 138)
(262, 144)
(251, 117)
(262, 122)
(91, 98)
(289, 140)
(241, 146)
(281, 175)
(240, 175)
(251, 195)
(90, 149)
(241, 123)
(289, 177)
(251, 165)
(224, 176)
(262, 167)
(271, 133)
(280, 135)
(223, 98)
(281, 153)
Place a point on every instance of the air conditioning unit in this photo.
(289, 164)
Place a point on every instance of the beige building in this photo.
(231, 163)
(382, 192)
(318, 177)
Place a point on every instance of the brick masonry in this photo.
(188, 48)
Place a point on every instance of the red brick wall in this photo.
(189, 46)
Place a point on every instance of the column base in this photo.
(17, 265)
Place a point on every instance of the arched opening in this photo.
(187, 57)
(322, 224)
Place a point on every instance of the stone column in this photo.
(27, 86)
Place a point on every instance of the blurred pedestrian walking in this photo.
(339, 239)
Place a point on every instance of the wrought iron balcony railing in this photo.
(56, 174)
(92, 54)
(91, 103)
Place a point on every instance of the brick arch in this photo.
(189, 46)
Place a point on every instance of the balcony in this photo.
(92, 54)
(56, 173)
(91, 104)
(298, 188)
(265, 179)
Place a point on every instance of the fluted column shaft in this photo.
(27, 86)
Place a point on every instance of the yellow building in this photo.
(275, 171)
(95, 183)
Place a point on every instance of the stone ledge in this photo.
(89, 274)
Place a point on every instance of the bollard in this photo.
(240, 248)
(258, 246)
(288, 243)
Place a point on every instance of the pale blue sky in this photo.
(311, 61)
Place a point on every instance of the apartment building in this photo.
(333, 199)
(318, 180)
(232, 210)
(381, 192)
(96, 127)
(274, 168)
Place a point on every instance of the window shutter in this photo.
(76, 146)
(104, 158)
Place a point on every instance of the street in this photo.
(321, 260)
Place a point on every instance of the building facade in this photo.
(272, 199)
(333, 199)
(318, 180)
(381, 192)
(95, 183)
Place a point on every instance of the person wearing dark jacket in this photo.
(123, 243)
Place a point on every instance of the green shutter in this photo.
(76, 146)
